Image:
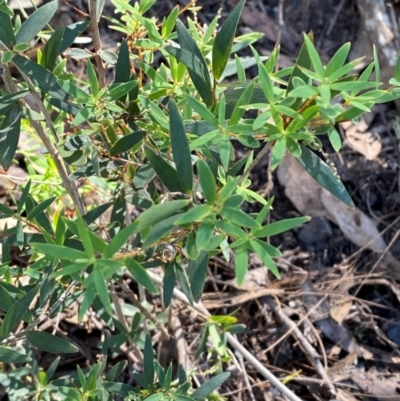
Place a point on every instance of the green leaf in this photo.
(167, 174)
(41, 77)
(197, 270)
(262, 250)
(9, 135)
(224, 39)
(127, 142)
(6, 32)
(202, 110)
(243, 100)
(303, 60)
(41, 207)
(59, 251)
(180, 148)
(100, 283)
(84, 234)
(24, 197)
(188, 43)
(36, 22)
(8, 355)
(160, 230)
(338, 59)
(140, 274)
(278, 152)
(209, 386)
(168, 284)
(183, 281)
(7, 101)
(7, 56)
(93, 81)
(71, 33)
(207, 181)
(324, 175)
(52, 49)
(196, 213)
(237, 216)
(120, 90)
(314, 57)
(334, 139)
(197, 71)
(148, 357)
(123, 66)
(280, 227)
(16, 312)
(266, 83)
(241, 264)
(148, 218)
(203, 234)
(50, 343)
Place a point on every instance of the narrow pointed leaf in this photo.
(148, 357)
(59, 251)
(123, 67)
(180, 148)
(148, 218)
(140, 274)
(324, 175)
(280, 227)
(223, 41)
(52, 49)
(8, 355)
(208, 387)
(41, 77)
(167, 174)
(50, 343)
(197, 270)
(9, 135)
(207, 182)
(198, 73)
(127, 142)
(16, 312)
(36, 22)
(6, 32)
(241, 264)
(71, 33)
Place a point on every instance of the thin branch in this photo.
(263, 151)
(96, 41)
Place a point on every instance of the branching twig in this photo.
(315, 358)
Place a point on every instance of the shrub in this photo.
(157, 139)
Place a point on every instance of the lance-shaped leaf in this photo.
(8, 355)
(303, 60)
(167, 174)
(209, 386)
(7, 101)
(197, 270)
(148, 218)
(198, 73)
(180, 148)
(140, 274)
(52, 48)
(41, 77)
(71, 33)
(9, 135)
(6, 32)
(49, 343)
(16, 312)
(224, 40)
(324, 175)
(127, 142)
(123, 66)
(36, 22)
